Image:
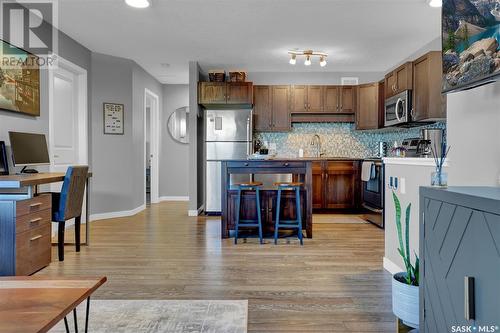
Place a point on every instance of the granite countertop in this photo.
(322, 158)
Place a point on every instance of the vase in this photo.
(439, 179)
(405, 301)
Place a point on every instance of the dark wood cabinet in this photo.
(370, 109)
(239, 93)
(212, 93)
(332, 99)
(299, 98)
(263, 119)
(336, 184)
(271, 108)
(317, 185)
(268, 208)
(281, 108)
(399, 80)
(315, 97)
(341, 185)
(347, 99)
(217, 93)
(428, 102)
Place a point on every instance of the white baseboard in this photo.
(392, 267)
(174, 198)
(197, 212)
(112, 215)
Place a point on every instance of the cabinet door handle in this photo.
(286, 164)
(35, 238)
(470, 306)
(305, 106)
(37, 204)
(36, 220)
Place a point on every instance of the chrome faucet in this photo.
(316, 144)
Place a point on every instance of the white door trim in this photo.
(81, 75)
(154, 145)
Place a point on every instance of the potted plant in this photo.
(405, 302)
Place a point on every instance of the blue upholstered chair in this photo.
(68, 205)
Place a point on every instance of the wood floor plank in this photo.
(334, 283)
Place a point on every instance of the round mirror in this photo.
(178, 125)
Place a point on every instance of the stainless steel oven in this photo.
(398, 109)
(373, 195)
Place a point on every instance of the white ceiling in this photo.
(359, 35)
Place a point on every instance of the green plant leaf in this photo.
(417, 270)
(407, 233)
(397, 204)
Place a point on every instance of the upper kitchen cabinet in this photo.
(340, 99)
(212, 93)
(271, 108)
(299, 101)
(399, 80)
(428, 102)
(370, 110)
(263, 119)
(307, 98)
(225, 93)
(280, 96)
(347, 99)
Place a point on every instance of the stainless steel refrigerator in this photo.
(228, 136)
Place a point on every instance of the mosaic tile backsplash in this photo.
(337, 139)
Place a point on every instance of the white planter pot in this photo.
(405, 304)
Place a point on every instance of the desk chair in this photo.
(68, 204)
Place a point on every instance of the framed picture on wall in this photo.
(113, 118)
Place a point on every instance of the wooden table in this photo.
(30, 183)
(300, 169)
(37, 303)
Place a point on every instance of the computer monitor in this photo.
(28, 149)
(4, 164)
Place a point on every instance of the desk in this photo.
(31, 182)
(37, 303)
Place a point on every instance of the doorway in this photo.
(151, 147)
(68, 120)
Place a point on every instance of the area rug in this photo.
(161, 316)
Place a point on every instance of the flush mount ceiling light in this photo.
(435, 3)
(138, 3)
(308, 54)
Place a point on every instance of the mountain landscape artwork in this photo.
(471, 42)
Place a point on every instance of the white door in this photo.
(68, 120)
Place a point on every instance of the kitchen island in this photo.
(301, 169)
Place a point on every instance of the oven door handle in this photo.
(375, 210)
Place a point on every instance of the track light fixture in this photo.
(308, 54)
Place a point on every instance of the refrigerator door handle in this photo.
(249, 136)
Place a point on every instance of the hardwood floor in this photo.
(334, 283)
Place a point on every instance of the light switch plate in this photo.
(402, 185)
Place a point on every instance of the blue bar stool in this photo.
(248, 223)
(289, 224)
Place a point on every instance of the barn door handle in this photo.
(470, 306)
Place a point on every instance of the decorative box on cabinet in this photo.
(25, 231)
(459, 239)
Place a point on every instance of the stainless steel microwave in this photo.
(398, 109)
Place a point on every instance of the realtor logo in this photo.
(30, 26)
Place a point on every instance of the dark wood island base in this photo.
(302, 171)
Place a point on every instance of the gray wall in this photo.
(174, 156)
(112, 155)
(311, 77)
(140, 81)
(474, 136)
(194, 173)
